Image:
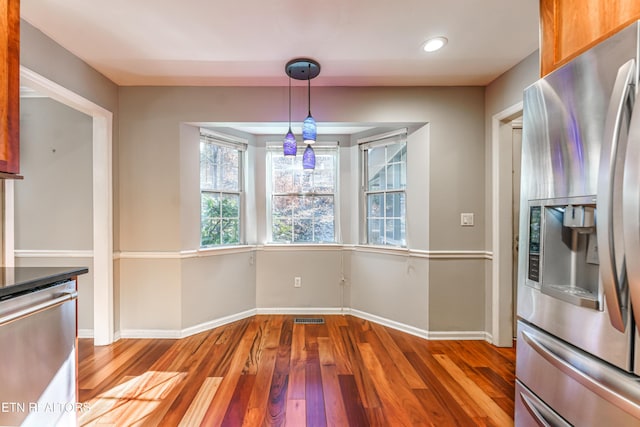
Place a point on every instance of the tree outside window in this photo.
(220, 191)
(303, 201)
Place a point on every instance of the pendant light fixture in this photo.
(309, 128)
(290, 146)
(306, 69)
(309, 158)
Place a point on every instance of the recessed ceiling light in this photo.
(434, 44)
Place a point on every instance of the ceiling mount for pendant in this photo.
(302, 68)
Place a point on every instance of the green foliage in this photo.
(220, 222)
(282, 230)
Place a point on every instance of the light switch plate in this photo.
(466, 219)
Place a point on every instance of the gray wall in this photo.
(45, 57)
(159, 206)
(163, 284)
(53, 203)
(506, 90)
(150, 132)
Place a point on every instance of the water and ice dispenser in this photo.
(563, 251)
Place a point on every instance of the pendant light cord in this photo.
(309, 88)
(289, 73)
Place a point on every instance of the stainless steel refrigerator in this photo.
(578, 348)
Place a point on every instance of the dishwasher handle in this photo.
(21, 314)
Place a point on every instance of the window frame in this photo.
(377, 141)
(226, 141)
(276, 149)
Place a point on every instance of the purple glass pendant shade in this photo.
(289, 145)
(309, 130)
(305, 69)
(309, 158)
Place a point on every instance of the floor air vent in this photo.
(309, 320)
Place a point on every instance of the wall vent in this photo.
(309, 320)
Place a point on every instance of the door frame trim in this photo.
(102, 171)
(501, 233)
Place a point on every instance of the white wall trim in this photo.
(303, 311)
(60, 93)
(299, 247)
(192, 330)
(500, 331)
(183, 333)
(460, 335)
(387, 250)
(212, 324)
(453, 254)
(196, 253)
(417, 253)
(412, 330)
(151, 333)
(102, 181)
(222, 250)
(85, 333)
(88, 334)
(41, 253)
(147, 255)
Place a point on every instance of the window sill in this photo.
(383, 249)
(300, 246)
(217, 250)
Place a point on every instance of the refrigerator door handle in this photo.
(612, 282)
(616, 388)
(542, 416)
(534, 411)
(631, 211)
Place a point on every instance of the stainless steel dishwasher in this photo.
(38, 356)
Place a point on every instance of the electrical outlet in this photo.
(297, 282)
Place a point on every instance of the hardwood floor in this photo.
(266, 370)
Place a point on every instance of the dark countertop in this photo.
(19, 280)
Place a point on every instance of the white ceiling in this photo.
(248, 42)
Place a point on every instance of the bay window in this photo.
(302, 203)
(221, 189)
(384, 174)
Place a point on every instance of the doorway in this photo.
(102, 201)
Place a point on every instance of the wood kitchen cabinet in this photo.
(569, 27)
(10, 91)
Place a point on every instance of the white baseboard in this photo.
(459, 335)
(202, 327)
(192, 330)
(303, 310)
(183, 333)
(422, 333)
(88, 333)
(412, 330)
(85, 333)
(151, 333)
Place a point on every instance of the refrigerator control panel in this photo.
(533, 270)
